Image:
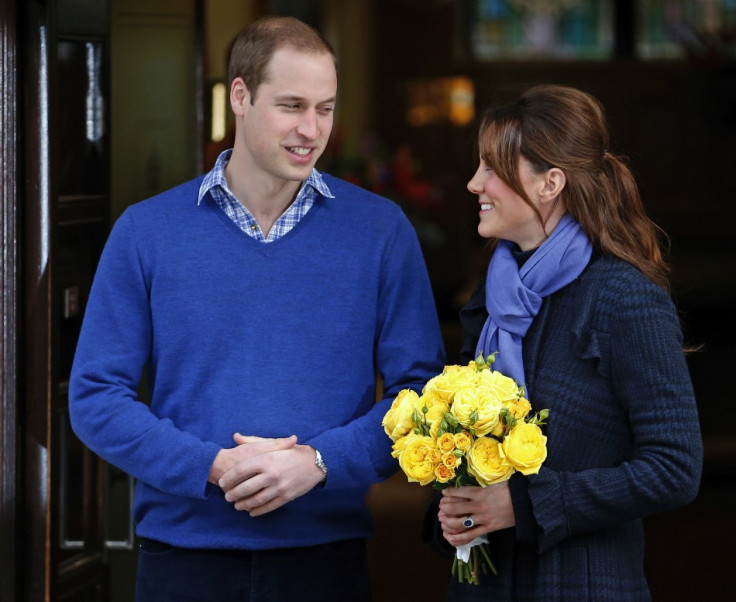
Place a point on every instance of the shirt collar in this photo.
(216, 177)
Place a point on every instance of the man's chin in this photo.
(301, 172)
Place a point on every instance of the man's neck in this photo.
(265, 198)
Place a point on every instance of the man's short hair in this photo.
(252, 50)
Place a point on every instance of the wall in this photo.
(154, 111)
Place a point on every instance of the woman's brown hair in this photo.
(558, 126)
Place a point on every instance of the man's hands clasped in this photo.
(259, 474)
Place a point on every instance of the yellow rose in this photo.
(451, 379)
(450, 460)
(503, 388)
(434, 428)
(466, 369)
(418, 459)
(434, 416)
(446, 443)
(463, 441)
(485, 462)
(443, 474)
(431, 398)
(499, 429)
(399, 445)
(397, 421)
(520, 408)
(479, 403)
(525, 448)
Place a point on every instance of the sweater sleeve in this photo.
(105, 409)
(408, 352)
(644, 361)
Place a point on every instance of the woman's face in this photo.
(503, 213)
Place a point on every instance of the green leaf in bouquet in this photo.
(481, 362)
(451, 420)
(540, 417)
(508, 418)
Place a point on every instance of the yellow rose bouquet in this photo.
(470, 426)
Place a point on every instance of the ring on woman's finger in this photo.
(468, 522)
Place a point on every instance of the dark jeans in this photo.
(330, 572)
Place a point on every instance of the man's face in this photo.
(286, 127)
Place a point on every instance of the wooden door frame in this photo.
(9, 312)
(26, 293)
(9, 293)
(35, 151)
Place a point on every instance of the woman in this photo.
(576, 302)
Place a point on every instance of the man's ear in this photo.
(239, 96)
(553, 183)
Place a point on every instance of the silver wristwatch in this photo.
(319, 462)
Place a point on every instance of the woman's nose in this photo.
(475, 184)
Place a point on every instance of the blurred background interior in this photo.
(109, 101)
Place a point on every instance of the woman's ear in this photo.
(554, 182)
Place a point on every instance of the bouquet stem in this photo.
(478, 562)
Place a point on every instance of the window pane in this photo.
(543, 29)
(681, 28)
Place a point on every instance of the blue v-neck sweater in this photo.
(262, 339)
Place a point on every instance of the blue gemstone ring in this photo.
(468, 522)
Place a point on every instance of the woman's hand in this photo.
(490, 508)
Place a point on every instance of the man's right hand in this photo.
(248, 447)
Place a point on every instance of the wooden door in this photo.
(73, 511)
(66, 158)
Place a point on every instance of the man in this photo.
(261, 300)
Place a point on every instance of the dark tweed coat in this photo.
(604, 355)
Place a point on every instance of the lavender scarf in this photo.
(514, 295)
